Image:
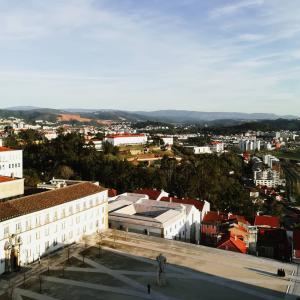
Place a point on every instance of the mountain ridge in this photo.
(175, 116)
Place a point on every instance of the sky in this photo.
(216, 55)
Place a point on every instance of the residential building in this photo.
(267, 221)
(11, 162)
(232, 243)
(212, 226)
(273, 243)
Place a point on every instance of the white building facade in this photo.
(11, 162)
(126, 139)
(33, 226)
(155, 218)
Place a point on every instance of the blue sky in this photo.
(216, 55)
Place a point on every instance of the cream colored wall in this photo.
(11, 188)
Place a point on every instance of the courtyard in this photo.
(121, 266)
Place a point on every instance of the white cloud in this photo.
(123, 59)
(234, 8)
(250, 37)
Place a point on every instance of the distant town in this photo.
(62, 181)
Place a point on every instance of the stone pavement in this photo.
(184, 274)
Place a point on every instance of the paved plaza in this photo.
(126, 264)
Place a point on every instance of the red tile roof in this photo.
(2, 149)
(6, 179)
(215, 142)
(152, 194)
(112, 193)
(232, 244)
(270, 221)
(29, 204)
(214, 216)
(199, 204)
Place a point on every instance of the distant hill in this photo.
(196, 116)
(171, 116)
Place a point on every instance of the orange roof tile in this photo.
(6, 179)
(199, 204)
(29, 204)
(267, 221)
(2, 149)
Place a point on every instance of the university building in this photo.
(32, 226)
(35, 225)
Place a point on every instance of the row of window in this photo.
(10, 166)
(28, 223)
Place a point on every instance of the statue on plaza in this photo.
(161, 271)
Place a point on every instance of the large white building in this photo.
(269, 178)
(136, 213)
(249, 145)
(217, 146)
(11, 162)
(34, 225)
(126, 139)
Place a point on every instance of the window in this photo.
(78, 207)
(63, 238)
(6, 231)
(18, 227)
(55, 215)
(70, 234)
(46, 231)
(38, 221)
(77, 219)
(47, 245)
(70, 210)
(37, 235)
(47, 219)
(28, 224)
(63, 213)
(63, 225)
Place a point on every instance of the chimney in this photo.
(171, 199)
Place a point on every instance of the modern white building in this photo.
(34, 225)
(269, 178)
(202, 150)
(11, 162)
(126, 139)
(270, 160)
(168, 140)
(217, 146)
(136, 213)
(249, 145)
